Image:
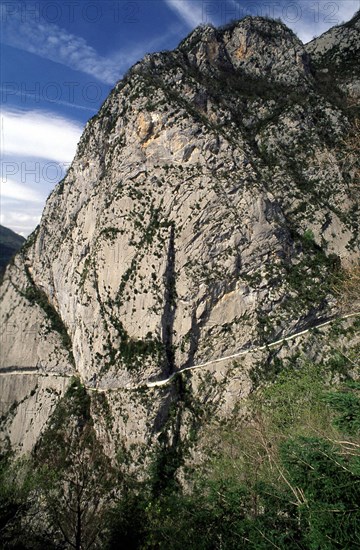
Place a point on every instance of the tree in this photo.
(77, 480)
(13, 499)
(330, 484)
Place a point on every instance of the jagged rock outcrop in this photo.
(206, 210)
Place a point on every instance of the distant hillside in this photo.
(10, 242)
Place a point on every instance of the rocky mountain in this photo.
(10, 242)
(209, 208)
(334, 54)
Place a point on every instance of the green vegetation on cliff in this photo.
(286, 476)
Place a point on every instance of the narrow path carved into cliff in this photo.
(246, 351)
(10, 371)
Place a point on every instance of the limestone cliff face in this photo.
(205, 211)
(335, 55)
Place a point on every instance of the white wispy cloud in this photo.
(11, 189)
(188, 10)
(36, 149)
(22, 218)
(38, 134)
(21, 205)
(50, 41)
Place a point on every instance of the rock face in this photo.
(205, 211)
(335, 55)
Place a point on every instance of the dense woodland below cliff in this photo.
(287, 476)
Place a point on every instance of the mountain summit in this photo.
(209, 207)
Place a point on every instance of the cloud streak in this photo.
(49, 41)
(22, 217)
(38, 134)
(21, 205)
(12, 190)
(190, 12)
(36, 148)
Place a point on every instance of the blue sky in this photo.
(60, 59)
